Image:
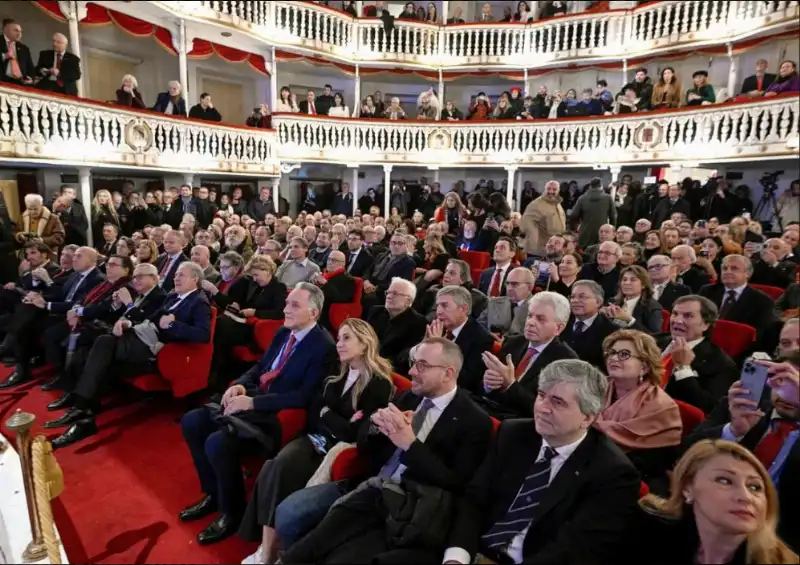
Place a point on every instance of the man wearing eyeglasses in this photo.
(398, 326)
(605, 270)
(665, 291)
(394, 264)
(338, 287)
(585, 329)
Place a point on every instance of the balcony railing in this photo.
(70, 131)
(606, 35)
(762, 129)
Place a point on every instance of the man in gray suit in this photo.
(507, 314)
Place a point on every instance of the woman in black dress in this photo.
(341, 414)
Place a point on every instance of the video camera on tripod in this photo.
(769, 181)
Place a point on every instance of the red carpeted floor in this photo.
(126, 485)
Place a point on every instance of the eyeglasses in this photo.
(423, 366)
(606, 253)
(395, 293)
(622, 354)
(657, 267)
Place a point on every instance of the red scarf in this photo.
(224, 286)
(330, 274)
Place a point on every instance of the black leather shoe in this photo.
(66, 400)
(221, 528)
(201, 509)
(58, 383)
(69, 417)
(15, 379)
(78, 431)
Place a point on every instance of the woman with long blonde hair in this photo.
(722, 508)
(103, 212)
(340, 415)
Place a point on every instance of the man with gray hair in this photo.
(171, 102)
(542, 219)
(585, 329)
(511, 381)
(457, 273)
(453, 322)
(202, 256)
(546, 491)
(605, 270)
(297, 267)
(506, 315)
(684, 258)
(58, 70)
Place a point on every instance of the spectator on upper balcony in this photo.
(288, 101)
(507, 14)
(642, 86)
(627, 103)
(339, 109)
(702, 94)
(421, 15)
(486, 13)
(428, 105)
(349, 7)
(17, 67)
(756, 85)
(788, 80)
(325, 101)
(541, 104)
(527, 110)
(57, 70)
(205, 110)
(171, 102)
(603, 97)
(515, 99)
(480, 108)
(128, 94)
(395, 111)
(668, 92)
(368, 108)
(524, 14)
(258, 209)
(260, 118)
(550, 9)
(457, 17)
(380, 104)
(432, 16)
(451, 113)
(503, 109)
(309, 105)
(409, 12)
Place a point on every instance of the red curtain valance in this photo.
(203, 49)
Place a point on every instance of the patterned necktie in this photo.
(579, 328)
(730, 300)
(59, 56)
(416, 425)
(267, 378)
(165, 268)
(770, 445)
(523, 510)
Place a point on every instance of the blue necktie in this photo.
(416, 425)
(523, 510)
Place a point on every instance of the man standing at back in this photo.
(592, 210)
(542, 219)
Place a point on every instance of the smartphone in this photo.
(701, 223)
(754, 379)
(758, 247)
(650, 180)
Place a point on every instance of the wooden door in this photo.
(227, 98)
(105, 76)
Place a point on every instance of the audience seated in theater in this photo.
(17, 67)
(563, 274)
(722, 508)
(339, 417)
(204, 110)
(47, 305)
(587, 327)
(359, 260)
(171, 102)
(131, 349)
(39, 223)
(128, 94)
(787, 80)
(289, 375)
(256, 294)
(397, 325)
(511, 382)
(607, 232)
(338, 286)
(453, 321)
(395, 263)
(605, 271)
(552, 489)
(638, 415)
(470, 239)
(696, 370)
(688, 273)
(297, 267)
(202, 257)
(439, 449)
(770, 266)
(493, 280)
(171, 259)
(736, 300)
(788, 305)
(506, 315)
(633, 306)
(457, 273)
(58, 70)
(665, 290)
(757, 84)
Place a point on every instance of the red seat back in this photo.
(401, 383)
(665, 322)
(475, 259)
(691, 417)
(264, 332)
(733, 338)
(773, 292)
(359, 290)
(340, 312)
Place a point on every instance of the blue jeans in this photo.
(303, 510)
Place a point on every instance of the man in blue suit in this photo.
(130, 350)
(493, 280)
(292, 370)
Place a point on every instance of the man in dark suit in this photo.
(338, 287)
(605, 271)
(108, 246)
(17, 64)
(130, 350)
(511, 381)
(689, 274)
(168, 263)
(672, 204)
(396, 263)
(453, 321)
(771, 267)
(552, 489)
(698, 371)
(343, 202)
(398, 326)
(324, 104)
(172, 212)
(440, 448)
(309, 105)
(58, 70)
(756, 85)
(755, 426)
(493, 280)
(48, 305)
(665, 291)
(736, 300)
(291, 372)
(457, 273)
(359, 260)
(72, 215)
(206, 209)
(587, 328)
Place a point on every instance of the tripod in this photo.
(768, 201)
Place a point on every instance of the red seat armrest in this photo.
(293, 422)
(349, 464)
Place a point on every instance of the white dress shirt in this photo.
(681, 373)
(738, 290)
(352, 377)
(457, 331)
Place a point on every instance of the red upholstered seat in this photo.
(293, 422)
(733, 338)
(691, 417)
(338, 313)
(475, 259)
(773, 292)
(644, 490)
(264, 332)
(476, 276)
(182, 367)
(665, 322)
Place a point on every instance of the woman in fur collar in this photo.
(39, 223)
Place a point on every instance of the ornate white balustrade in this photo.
(608, 35)
(748, 131)
(44, 128)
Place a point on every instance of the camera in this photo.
(770, 181)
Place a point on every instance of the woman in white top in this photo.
(339, 110)
(634, 307)
(287, 102)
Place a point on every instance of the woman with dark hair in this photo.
(367, 201)
(480, 108)
(499, 208)
(524, 14)
(287, 102)
(787, 80)
(653, 244)
(634, 306)
(712, 250)
(477, 208)
(368, 108)
(432, 17)
(339, 108)
(668, 91)
(563, 274)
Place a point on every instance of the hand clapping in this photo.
(435, 329)
(498, 375)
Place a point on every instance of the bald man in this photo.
(337, 285)
(57, 70)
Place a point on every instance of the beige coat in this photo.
(542, 219)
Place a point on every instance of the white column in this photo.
(73, 15)
(445, 11)
(520, 183)
(276, 188)
(359, 8)
(188, 178)
(85, 180)
(526, 88)
(436, 175)
(615, 171)
(732, 71)
(273, 82)
(534, 11)
(387, 189)
(511, 170)
(354, 188)
(357, 95)
(624, 72)
(441, 95)
(183, 64)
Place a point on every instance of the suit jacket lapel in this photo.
(442, 430)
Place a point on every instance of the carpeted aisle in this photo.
(126, 485)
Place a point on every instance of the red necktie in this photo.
(59, 82)
(669, 365)
(165, 268)
(270, 376)
(525, 362)
(494, 290)
(760, 83)
(769, 447)
(313, 110)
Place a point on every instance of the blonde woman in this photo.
(103, 212)
(341, 414)
(147, 252)
(722, 508)
(128, 94)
